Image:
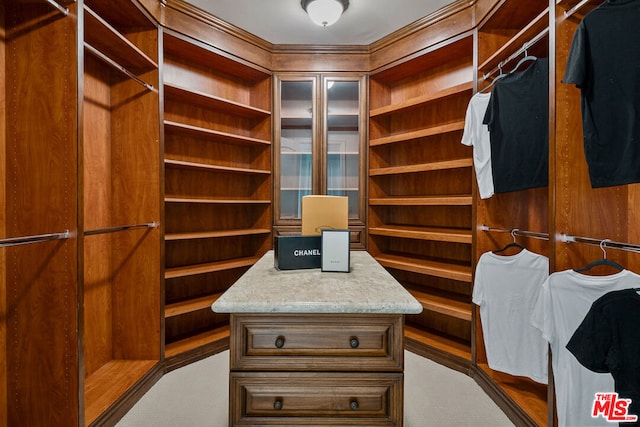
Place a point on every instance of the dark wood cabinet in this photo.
(316, 369)
(320, 134)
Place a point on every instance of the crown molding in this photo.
(206, 17)
(406, 31)
(421, 24)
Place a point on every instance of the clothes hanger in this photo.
(498, 77)
(603, 261)
(526, 58)
(513, 244)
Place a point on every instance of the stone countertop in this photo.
(368, 288)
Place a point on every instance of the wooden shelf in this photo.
(422, 201)
(438, 341)
(211, 267)
(527, 394)
(106, 39)
(444, 303)
(194, 97)
(202, 339)
(210, 134)
(422, 100)
(427, 167)
(516, 42)
(422, 266)
(105, 386)
(170, 237)
(423, 233)
(213, 168)
(183, 47)
(189, 306)
(216, 201)
(422, 133)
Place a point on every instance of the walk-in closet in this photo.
(152, 153)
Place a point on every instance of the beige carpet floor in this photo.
(197, 396)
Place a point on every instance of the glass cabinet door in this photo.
(296, 145)
(320, 141)
(343, 141)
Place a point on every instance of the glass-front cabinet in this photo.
(320, 141)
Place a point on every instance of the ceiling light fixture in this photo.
(325, 12)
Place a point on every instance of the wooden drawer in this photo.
(315, 399)
(317, 342)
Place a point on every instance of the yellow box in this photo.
(324, 213)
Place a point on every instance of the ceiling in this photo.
(285, 22)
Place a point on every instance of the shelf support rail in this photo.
(516, 232)
(15, 241)
(574, 9)
(517, 53)
(117, 66)
(106, 230)
(63, 10)
(623, 246)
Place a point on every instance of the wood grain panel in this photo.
(39, 292)
(3, 221)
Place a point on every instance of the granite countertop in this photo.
(368, 288)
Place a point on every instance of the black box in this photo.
(298, 252)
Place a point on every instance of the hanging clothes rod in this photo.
(574, 9)
(120, 228)
(630, 247)
(517, 232)
(62, 9)
(514, 55)
(15, 241)
(117, 66)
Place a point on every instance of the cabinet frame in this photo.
(320, 153)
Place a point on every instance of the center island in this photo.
(312, 348)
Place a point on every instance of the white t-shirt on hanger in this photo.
(564, 300)
(506, 288)
(476, 134)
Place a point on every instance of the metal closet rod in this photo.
(624, 246)
(106, 230)
(574, 9)
(15, 241)
(517, 232)
(62, 9)
(514, 55)
(117, 66)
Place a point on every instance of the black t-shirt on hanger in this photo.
(518, 121)
(604, 62)
(608, 340)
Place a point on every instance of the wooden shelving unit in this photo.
(504, 33)
(120, 188)
(420, 192)
(39, 293)
(217, 169)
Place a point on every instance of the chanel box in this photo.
(297, 252)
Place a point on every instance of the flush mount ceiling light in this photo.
(325, 12)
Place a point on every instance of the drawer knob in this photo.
(353, 342)
(277, 405)
(354, 405)
(280, 342)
